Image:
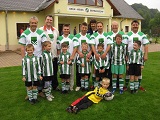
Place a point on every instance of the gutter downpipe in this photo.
(121, 24)
(7, 39)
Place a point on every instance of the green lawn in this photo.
(140, 106)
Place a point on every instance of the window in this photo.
(21, 27)
(99, 3)
(87, 2)
(80, 1)
(126, 28)
(70, 1)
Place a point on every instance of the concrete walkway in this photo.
(11, 58)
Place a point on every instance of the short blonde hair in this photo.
(45, 43)
(29, 46)
(105, 80)
(33, 18)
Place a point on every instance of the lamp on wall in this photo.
(57, 1)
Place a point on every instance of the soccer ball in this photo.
(108, 96)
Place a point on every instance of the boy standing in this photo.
(135, 64)
(47, 68)
(31, 72)
(84, 68)
(101, 65)
(65, 67)
(118, 51)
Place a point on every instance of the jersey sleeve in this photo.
(75, 42)
(145, 40)
(23, 67)
(92, 40)
(22, 39)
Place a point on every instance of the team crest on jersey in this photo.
(34, 40)
(135, 39)
(101, 40)
(51, 36)
(83, 41)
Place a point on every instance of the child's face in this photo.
(100, 48)
(136, 46)
(105, 84)
(48, 47)
(118, 40)
(64, 49)
(84, 48)
(30, 51)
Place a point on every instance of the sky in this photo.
(155, 4)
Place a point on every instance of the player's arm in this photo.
(145, 52)
(22, 51)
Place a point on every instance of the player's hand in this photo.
(127, 67)
(24, 79)
(145, 58)
(97, 56)
(103, 56)
(103, 70)
(61, 62)
(69, 62)
(40, 77)
(87, 60)
(82, 65)
(81, 55)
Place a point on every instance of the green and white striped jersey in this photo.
(135, 57)
(87, 68)
(64, 68)
(31, 68)
(101, 62)
(97, 38)
(131, 37)
(47, 63)
(118, 53)
(79, 39)
(111, 35)
(36, 38)
(68, 40)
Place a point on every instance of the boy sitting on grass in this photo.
(91, 97)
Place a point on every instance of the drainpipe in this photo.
(7, 40)
(121, 24)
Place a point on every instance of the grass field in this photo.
(140, 106)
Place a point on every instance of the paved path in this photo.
(11, 58)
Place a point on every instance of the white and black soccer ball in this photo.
(108, 96)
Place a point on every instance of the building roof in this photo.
(24, 5)
(120, 7)
(123, 9)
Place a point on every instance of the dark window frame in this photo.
(86, 3)
(20, 26)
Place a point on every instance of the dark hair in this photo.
(134, 21)
(100, 45)
(138, 42)
(84, 23)
(49, 16)
(66, 25)
(64, 44)
(118, 35)
(92, 21)
(99, 22)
